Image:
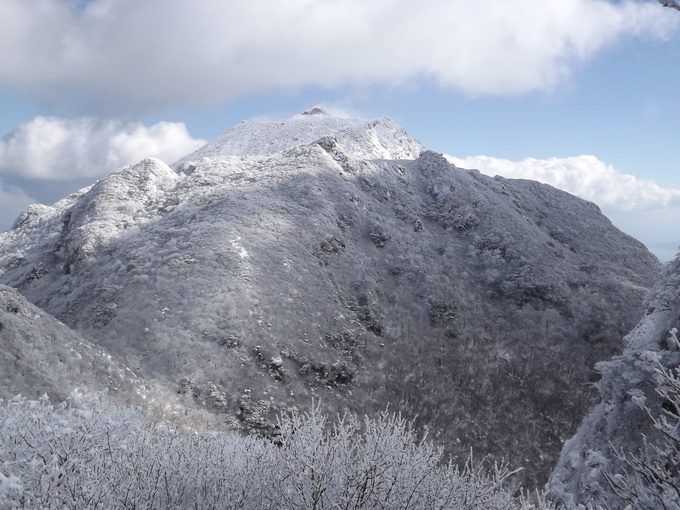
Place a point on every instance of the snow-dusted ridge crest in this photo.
(339, 260)
(359, 138)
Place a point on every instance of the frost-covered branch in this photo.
(650, 478)
(670, 3)
(89, 455)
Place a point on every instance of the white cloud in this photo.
(640, 208)
(64, 149)
(159, 52)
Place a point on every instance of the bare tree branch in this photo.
(670, 3)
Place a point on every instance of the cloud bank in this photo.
(144, 53)
(641, 208)
(67, 149)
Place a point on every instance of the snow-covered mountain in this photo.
(337, 259)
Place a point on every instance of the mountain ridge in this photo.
(248, 284)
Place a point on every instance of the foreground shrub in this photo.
(87, 454)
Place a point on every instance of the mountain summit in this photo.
(339, 260)
(359, 138)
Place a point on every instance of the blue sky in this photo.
(582, 94)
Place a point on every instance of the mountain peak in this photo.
(367, 139)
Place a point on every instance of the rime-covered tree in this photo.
(88, 454)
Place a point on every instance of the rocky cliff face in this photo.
(332, 259)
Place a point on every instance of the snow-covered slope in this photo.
(619, 423)
(39, 355)
(348, 267)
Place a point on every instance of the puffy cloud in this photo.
(110, 53)
(583, 176)
(65, 149)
